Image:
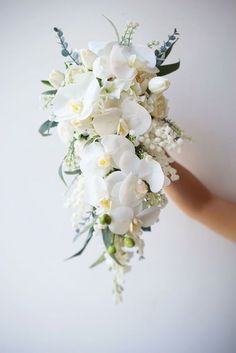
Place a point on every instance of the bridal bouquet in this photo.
(110, 111)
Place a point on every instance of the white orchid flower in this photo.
(138, 57)
(100, 158)
(75, 101)
(95, 160)
(131, 116)
(115, 146)
(145, 169)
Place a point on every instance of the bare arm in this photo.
(198, 202)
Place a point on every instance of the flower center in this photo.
(141, 187)
(104, 161)
(76, 107)
(122, 128)
(105, 203)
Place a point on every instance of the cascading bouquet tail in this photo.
(111, 113)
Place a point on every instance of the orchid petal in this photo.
(120, 219)
(116, 145)
(128, 194)
(119, 64)
(137, 117)
(156, 177)
(149, 216)
(107, 123)
(95, 190)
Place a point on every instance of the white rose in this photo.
(87, 57)
(73, 73)
(56, 78)
(158, 85)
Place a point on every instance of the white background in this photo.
(181, 298)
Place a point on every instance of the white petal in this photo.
(129, 162)
(119, 64)
(145, 54)
(156, 177)
(149, 216)
(65, 131)
(121, 218)
(89, 160)
(95, 190)
(128, 195)
(87, 57)
(100, 48)
(116, 145)
(101, 67)
(107, 123)
(136, 116)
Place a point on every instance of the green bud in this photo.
(105, 219)
(111, 249)
(129, 242)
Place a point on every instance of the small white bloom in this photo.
(56, 78)
(87, 57)
(158, 85)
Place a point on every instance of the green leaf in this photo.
(89, 237)
(60, 173)
(114, 27)
(108, 238)
(44, 129)
(47, 83)
(73, 172)
(146, 229)
(92, 139)
(51, 92)
(167, 69)
(100, 260)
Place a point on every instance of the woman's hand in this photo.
(198, 202)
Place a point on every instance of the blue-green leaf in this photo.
(44, 129)
(51, 92)
(47, 83)
(100, 260)
(60, 172)
(89, 237)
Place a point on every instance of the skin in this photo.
(192, 197)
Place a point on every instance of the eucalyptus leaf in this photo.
(60, 173)
(100, 260)
(89, 237)
(51, 92)
(73, 172)
(44, 129)
(167, 69)
(47, 83)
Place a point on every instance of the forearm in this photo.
(198, 202)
